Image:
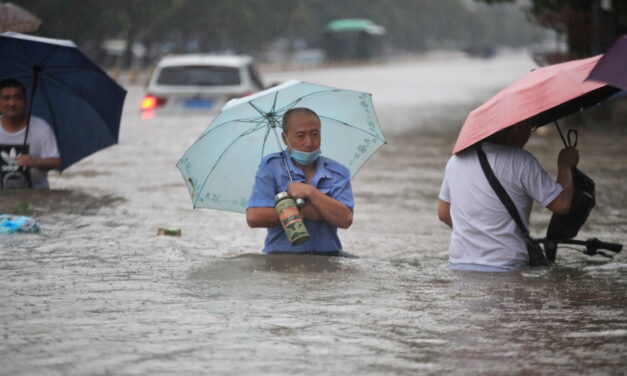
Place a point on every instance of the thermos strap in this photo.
(291, 218)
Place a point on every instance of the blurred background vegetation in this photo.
(136, 33)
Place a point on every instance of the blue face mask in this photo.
(303, 157)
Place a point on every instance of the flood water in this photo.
(97, 292)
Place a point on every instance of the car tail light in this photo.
(150, 102)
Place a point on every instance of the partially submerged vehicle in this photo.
(197, 82)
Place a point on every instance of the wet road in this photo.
(98, 293)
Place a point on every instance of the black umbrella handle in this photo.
(575, 136)
(559, 130)
(571, 137)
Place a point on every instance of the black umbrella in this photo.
(82, 104)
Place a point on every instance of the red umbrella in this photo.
(612, 68)
(543, 95)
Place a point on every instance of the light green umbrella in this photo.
(355, 24)
(219, 168)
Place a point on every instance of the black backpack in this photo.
(566, 226)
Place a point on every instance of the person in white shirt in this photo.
(485, 236)
(43, 154)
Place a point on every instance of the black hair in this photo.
(499, 137)
(296, 110)
(503, 136)
(12, 82)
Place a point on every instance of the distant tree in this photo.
(590, 26)
(249, 26)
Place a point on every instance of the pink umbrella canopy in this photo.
(543, 95)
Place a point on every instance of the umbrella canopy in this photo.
(15, 18)
(219, 168)
(612, 68)
(541, 96)
(82, 104)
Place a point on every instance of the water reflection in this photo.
(243, 265)
(498, 323)
(56, 201)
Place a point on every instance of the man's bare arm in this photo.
(333, 211)
(262, 217)
(568, 158)
(444, 212)
(43, 164)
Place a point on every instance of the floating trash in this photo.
(169, 231)
(10, 224)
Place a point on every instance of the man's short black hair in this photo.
(12, 82)
(296, 110)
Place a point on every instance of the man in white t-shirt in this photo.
(43, 153)
(485, 236)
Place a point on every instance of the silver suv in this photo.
(199, 82)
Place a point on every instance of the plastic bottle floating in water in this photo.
(291, 219)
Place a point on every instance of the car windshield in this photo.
(199, 75)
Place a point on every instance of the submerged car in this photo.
(199, 82)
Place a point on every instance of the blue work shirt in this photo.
(330, 178)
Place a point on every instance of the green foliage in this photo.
(589, 26)
(248, 26)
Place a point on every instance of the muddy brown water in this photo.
(97, 292)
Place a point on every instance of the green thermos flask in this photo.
(291, 219)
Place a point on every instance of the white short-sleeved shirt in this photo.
(42, 144)
(484, 234)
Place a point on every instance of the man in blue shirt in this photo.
(322, 182)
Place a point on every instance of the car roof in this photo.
(205, 59)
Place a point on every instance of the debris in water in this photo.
(169, 231)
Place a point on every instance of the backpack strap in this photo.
(500, 191)
(534, 250)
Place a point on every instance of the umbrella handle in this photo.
(571, 142)
(559, 130)
(571, 137)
